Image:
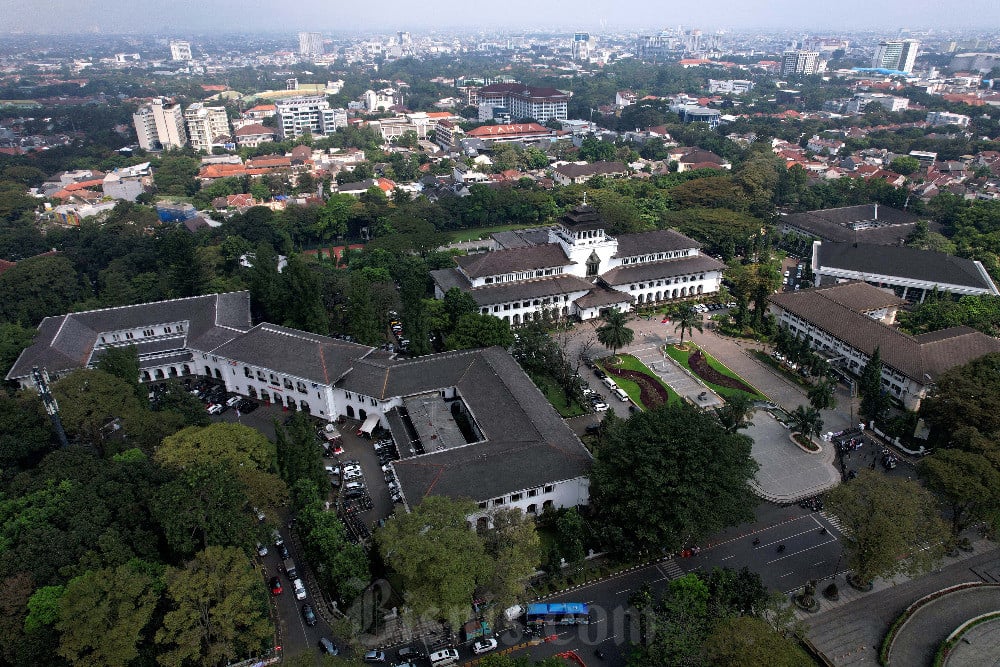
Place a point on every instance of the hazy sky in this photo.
(178, 16)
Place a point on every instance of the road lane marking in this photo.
(729, 556)
(816, 546)
(787, 573)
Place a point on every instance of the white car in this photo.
(233, 400)
(300, 589)
(484, 646)
(352, 474)
(331, 470)
(261, 550)
(214, 408)
(600, 407)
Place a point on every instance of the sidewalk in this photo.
(850, 630)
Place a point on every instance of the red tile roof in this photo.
(255, 129)
(512, 129)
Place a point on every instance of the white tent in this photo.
(370, 423)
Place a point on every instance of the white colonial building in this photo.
(468, 424)
(576, 269)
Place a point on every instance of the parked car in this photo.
(308, 615)
(275, 585)
(300, 589)
(261, 550)
(328, 647)
(233, 401)
(375, 657)
(247, 406)
(484, 646)
(410, 653)
(214, 408)
(599, 406)
(283, 551)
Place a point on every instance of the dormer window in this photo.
(593, 264)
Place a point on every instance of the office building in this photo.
(160, 124)
(896, 54)
(577, 270)
(298, 115)
(180, 50)
(310, 44)
(799, 63)
(583, 43)
(521, 102)
(207, 126)
(467, 424)
(937, 118)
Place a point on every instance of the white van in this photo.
(609, 383)
(620, 393)
(300, 589)
(448, 656)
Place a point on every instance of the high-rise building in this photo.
(800, 63)
(582, 45)
(521, 101)
(897, 54)
(160, 124)
(310, 44)
(180, 50)
(298, 115)
(207, 126)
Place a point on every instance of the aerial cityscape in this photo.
(506, 336)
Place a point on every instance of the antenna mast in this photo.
(40, 378)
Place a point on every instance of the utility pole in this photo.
(40, 378)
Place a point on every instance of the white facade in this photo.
(800, 63)
(160, 124)
(897, 54)
(888, 102)
(936, 118)
(205, 125)
(180, 50)
(566, 493)
(310, 44)
(733, 86)
(298, 115)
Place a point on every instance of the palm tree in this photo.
(806, 421)
(687, 320)
(735, 414)
(614, 334)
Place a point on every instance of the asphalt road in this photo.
(808, 554)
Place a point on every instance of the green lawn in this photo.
(682, 357)
(628, 362)
(556, 396)
(482, 232)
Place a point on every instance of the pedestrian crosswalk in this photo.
(832, 520)
(671, 570)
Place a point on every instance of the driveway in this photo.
(787, 472)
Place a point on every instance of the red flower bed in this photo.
(651, 392)
(701, 368)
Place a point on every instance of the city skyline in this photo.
(166, 16)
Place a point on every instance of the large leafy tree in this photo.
(341, 565)
(891, 526)
(25, 432)
(965, 398)
(515, 548)
(968, 484)
(735, 414)
(474, 330)
(439, 559)
(821, 395)
(39, 287)
(298, 455)
(13, 340)
(123, 363)
(806, 421)
(668, 477)
(218, 610)
(104, 615)
(614, 334)
(746, 641)
(680, 624)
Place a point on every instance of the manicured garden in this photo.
(712, 372)
(557, 396)
(481, 232)
(641, 384)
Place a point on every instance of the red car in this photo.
(276, 586)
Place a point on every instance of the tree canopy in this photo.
(666, 478)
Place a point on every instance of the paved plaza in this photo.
(787, 472)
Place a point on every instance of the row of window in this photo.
(523, 275)
(546, 301)
(654, 257)
(668, 281)
(361, 399)
(515, 497)
(146, 333)
(273, 379)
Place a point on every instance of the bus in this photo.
(558, 613)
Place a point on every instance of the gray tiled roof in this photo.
(925, 265)
(603, 296)
(526, 443)
(833, 224)
(624, 275)
(508, 292)
(67, 342)
(582, 217)
(862, 297)
(661, 240)
(572, 170)
(320, 359)
(912, 356)
(498, 262)
(520, 238)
